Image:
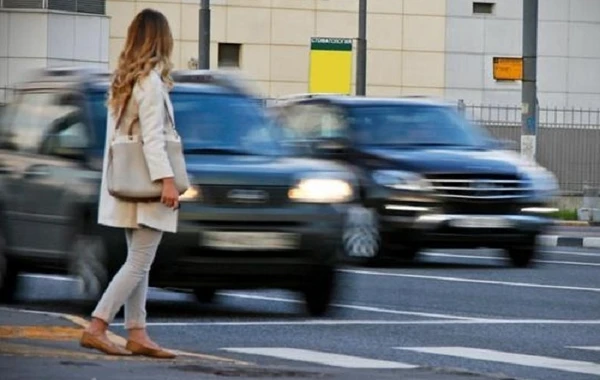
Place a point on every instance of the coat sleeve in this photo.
(150, 98)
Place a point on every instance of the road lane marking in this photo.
(510, 358)
(320, 357)
(353, 307)
(436, 254)
(119, 340)
(55, 333)
(571, 253)
(469, 280)
(590, 348)
(378, 322)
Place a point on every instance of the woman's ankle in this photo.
(97, 326)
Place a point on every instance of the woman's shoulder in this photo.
(151, 82)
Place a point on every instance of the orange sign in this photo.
(506, 68)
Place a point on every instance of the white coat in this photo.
(148, 104)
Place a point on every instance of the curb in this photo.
(573, 223)
(569, 241)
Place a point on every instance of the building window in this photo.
(79, 6)
(483, 8)
(229, 55)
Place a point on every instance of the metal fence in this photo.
(568, 140)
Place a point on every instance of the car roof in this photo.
(186, 81)
(358, 101)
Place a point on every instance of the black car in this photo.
(428, 178)
(252, 218)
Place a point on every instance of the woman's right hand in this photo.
(170, 195)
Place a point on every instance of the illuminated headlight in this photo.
(401, 180)
(193, 193)
(321, 190)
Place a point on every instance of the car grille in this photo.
(490, 187)
(244, 196)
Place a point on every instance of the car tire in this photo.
(522, 256)
(88, 262)
(319, 291)
(205, 295)
(361, 237)
(9, 274)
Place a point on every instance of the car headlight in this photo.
(193, 193)
(401, 180)
(321, 190)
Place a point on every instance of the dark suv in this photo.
(428, 178)
(252, 218)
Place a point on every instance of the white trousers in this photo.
(129, 287)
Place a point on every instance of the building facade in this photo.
(442, 48)
(50, 33)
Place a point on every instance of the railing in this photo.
(568, 139)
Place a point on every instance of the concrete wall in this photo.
(406, 38)
(38, 38)
(569, 53)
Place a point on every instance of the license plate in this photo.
(248, 241)
(481, 222)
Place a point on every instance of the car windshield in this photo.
(223, 123)
(415, 125)
(212, 123)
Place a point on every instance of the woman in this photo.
(139, 90)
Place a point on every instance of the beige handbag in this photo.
(128, 177)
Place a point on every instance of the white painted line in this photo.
(469, 280)
(353, 307)
(571, 253)
(435, 254)
(376, 322)
(590, 348)
(50, 277)
(548, 240)
(319, 357)
(591, 242)
(510, 358)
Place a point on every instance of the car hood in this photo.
(258, 170)
(447, 160)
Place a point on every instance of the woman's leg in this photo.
(142, 244)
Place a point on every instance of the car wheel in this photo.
(205, 295)
(319, 291)
(522, 256)
(361, 237)
(88, 263)
(9, 275)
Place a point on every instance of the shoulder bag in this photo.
(128, 177)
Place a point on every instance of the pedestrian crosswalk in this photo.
(468, 353)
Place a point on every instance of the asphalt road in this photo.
(466, 310)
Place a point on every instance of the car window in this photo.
(414, 125)
(313, 121)
(223, 122)
(98, 116)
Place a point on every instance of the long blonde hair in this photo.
(149, 44)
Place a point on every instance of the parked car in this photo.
(428, 178)
(252, 218)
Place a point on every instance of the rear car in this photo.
(253, 217)
(428, 178)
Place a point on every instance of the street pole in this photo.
(361, 55)
(204, 36)
(529, 114)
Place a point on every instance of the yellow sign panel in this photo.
(330, 65)
(506, 68)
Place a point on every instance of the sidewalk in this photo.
(42, 346)
(578, 235)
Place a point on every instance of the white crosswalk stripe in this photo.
(511, 358)
(319, 357)
(590, 348)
